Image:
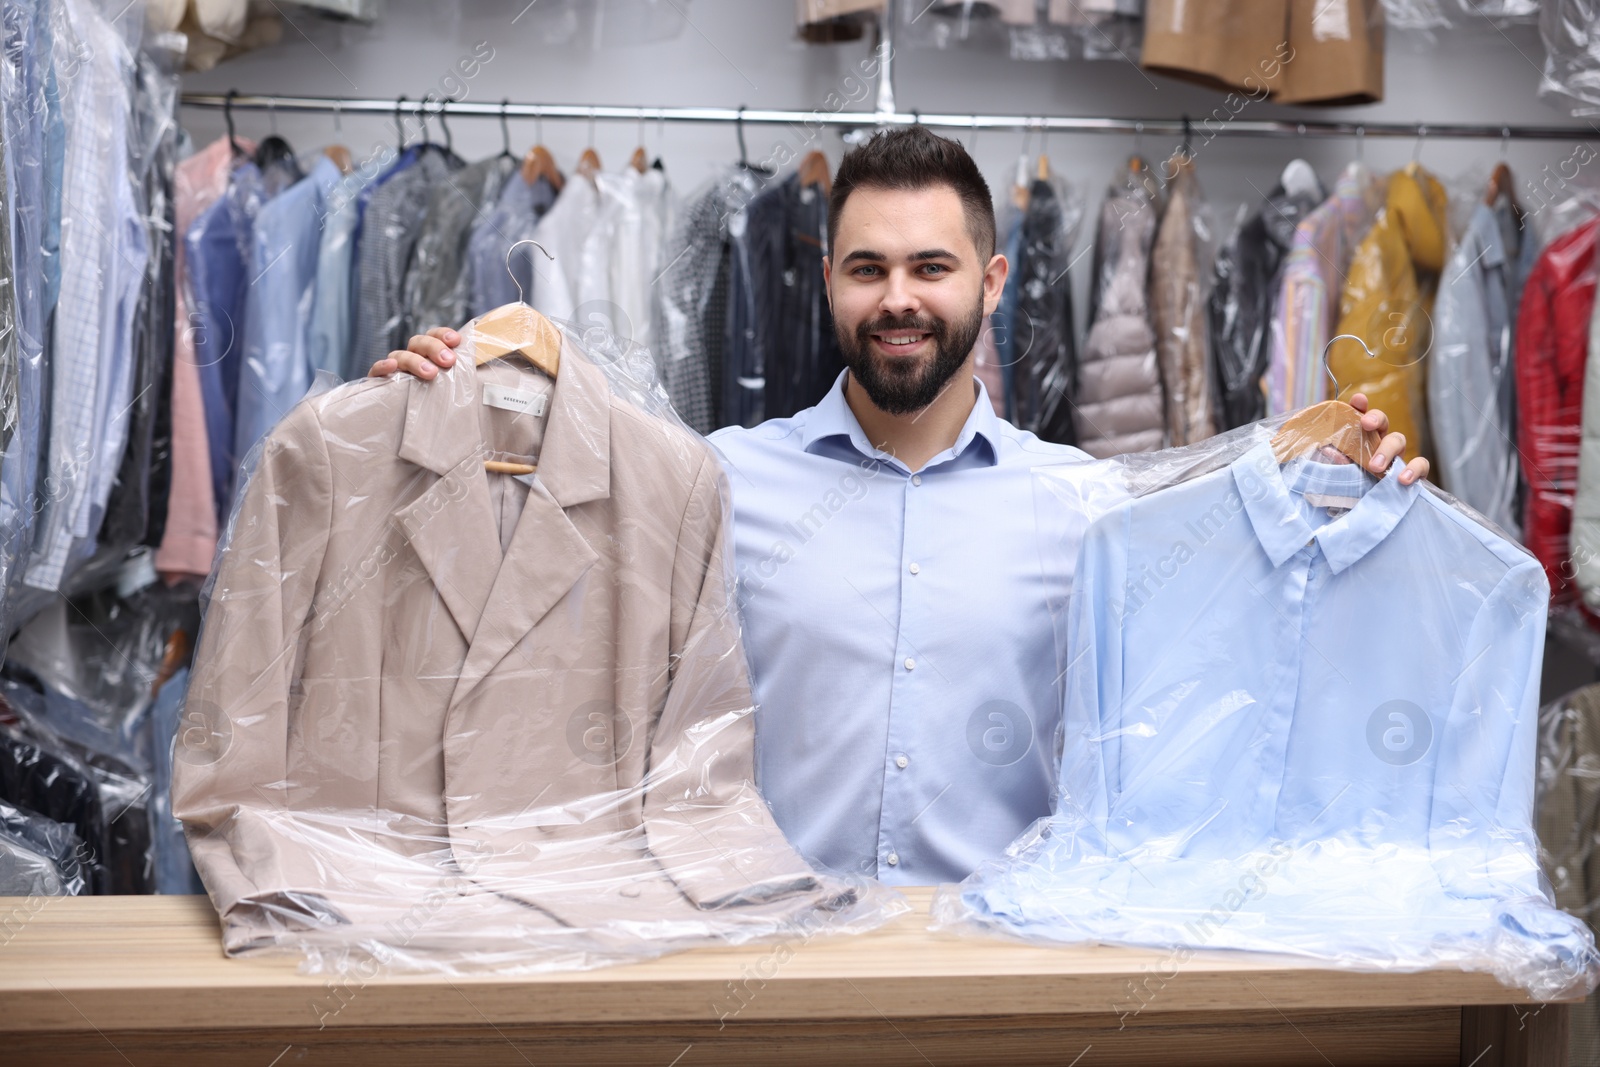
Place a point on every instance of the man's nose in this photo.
(899, 297)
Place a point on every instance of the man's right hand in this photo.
(423, 357)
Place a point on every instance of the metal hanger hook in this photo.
(1361, 144)
(227, 116)
(521, 296)
(1505, 142)
(338, 116)
(1329, 369)
(1422, 133)
(505, 126)
(399, 126)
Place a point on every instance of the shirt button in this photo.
(901, 762)
(911, 664)
(915, 569)
(893, 859)
(916, 479)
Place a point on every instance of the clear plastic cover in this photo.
(453, 717)
(1119, 406)
(1042, 353)
(1244, 768)
(1179, 287)
(1571, 33)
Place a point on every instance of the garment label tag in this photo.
(1323, 500)
(138, 572)
(518, 400)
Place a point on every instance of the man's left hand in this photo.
(1393, 444)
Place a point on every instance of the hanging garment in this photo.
(1293, 51)
(831, 21)
(576, 272)
(219, 272)
(437, 288)
(493, 280)
(331, 300)
(1007, 347)
(1045, 371)
(692, 299)
(190, 539)
(1584, 566)
(789, 345)
(1472, 400)
(136, 512)
(573, 728)
(1242, 309)
(276, 370)
(1571, 75)
(986, 368)
(1569, 828)
(103, 251)
(1119, 384)
(1552, 344)
(1383, 806)
(1313, 281)
(1178, 303)
(623, 251)
(1388, 303)
(390, 223)
(38, 856)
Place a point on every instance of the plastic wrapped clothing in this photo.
(1244, 294)
(1119, 407)
(457, 719)
(38, 856)
(1584, 564)
(1552, 347)
(103, 799)
(1569, 822)
(1307, 797)
(1472, 402)
(1178, 279)
(502, 271)
(790, 344)
(627, 240)
(437, 287)
(1570, 30)
(577, 272)
(1004, 320)
(1388, 303)
(692, 298)
(1313, 281)
(1045, 368)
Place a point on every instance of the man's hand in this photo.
(1393, 444)
(429, 351)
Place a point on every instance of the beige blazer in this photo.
(382, 701)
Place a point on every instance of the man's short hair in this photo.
(914, 157)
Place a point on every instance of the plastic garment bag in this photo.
(1119, 407)
(1240, 770)
(38, 856)
(1244, 294)
(1178, 290)
(1571, 33)
(451, 717)
(1043, 354)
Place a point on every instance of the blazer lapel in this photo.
(547, 555)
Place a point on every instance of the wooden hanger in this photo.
(539, 163)
(1043, 171)
(640, 160)
(814, 171)
(589, 163)
(1330, 424)
(341, 157)
(517, 329)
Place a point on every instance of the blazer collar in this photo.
(1276, 519)
(441, 428)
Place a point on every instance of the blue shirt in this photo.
(1245, 767)
(277, 367)
(900, 638)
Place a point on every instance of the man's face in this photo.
(909, 293)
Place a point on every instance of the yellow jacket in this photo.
(1388, 303)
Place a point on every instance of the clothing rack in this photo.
(1205, 127)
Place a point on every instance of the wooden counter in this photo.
(142, 980)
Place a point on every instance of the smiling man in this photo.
(895, 575)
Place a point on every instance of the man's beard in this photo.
(901, 387)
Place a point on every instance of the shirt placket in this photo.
(911, 671)
(1296, 586)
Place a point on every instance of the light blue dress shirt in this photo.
(333, 296)
(1246, 767)
(900, 637)
(277, 366)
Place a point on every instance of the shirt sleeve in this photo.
(1091, 748)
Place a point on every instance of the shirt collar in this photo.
(832, 418)
(1277, 521)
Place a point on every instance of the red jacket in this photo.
(1552, 346)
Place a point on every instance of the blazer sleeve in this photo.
(231, 782)
(706, 824)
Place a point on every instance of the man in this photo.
(896, 578)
